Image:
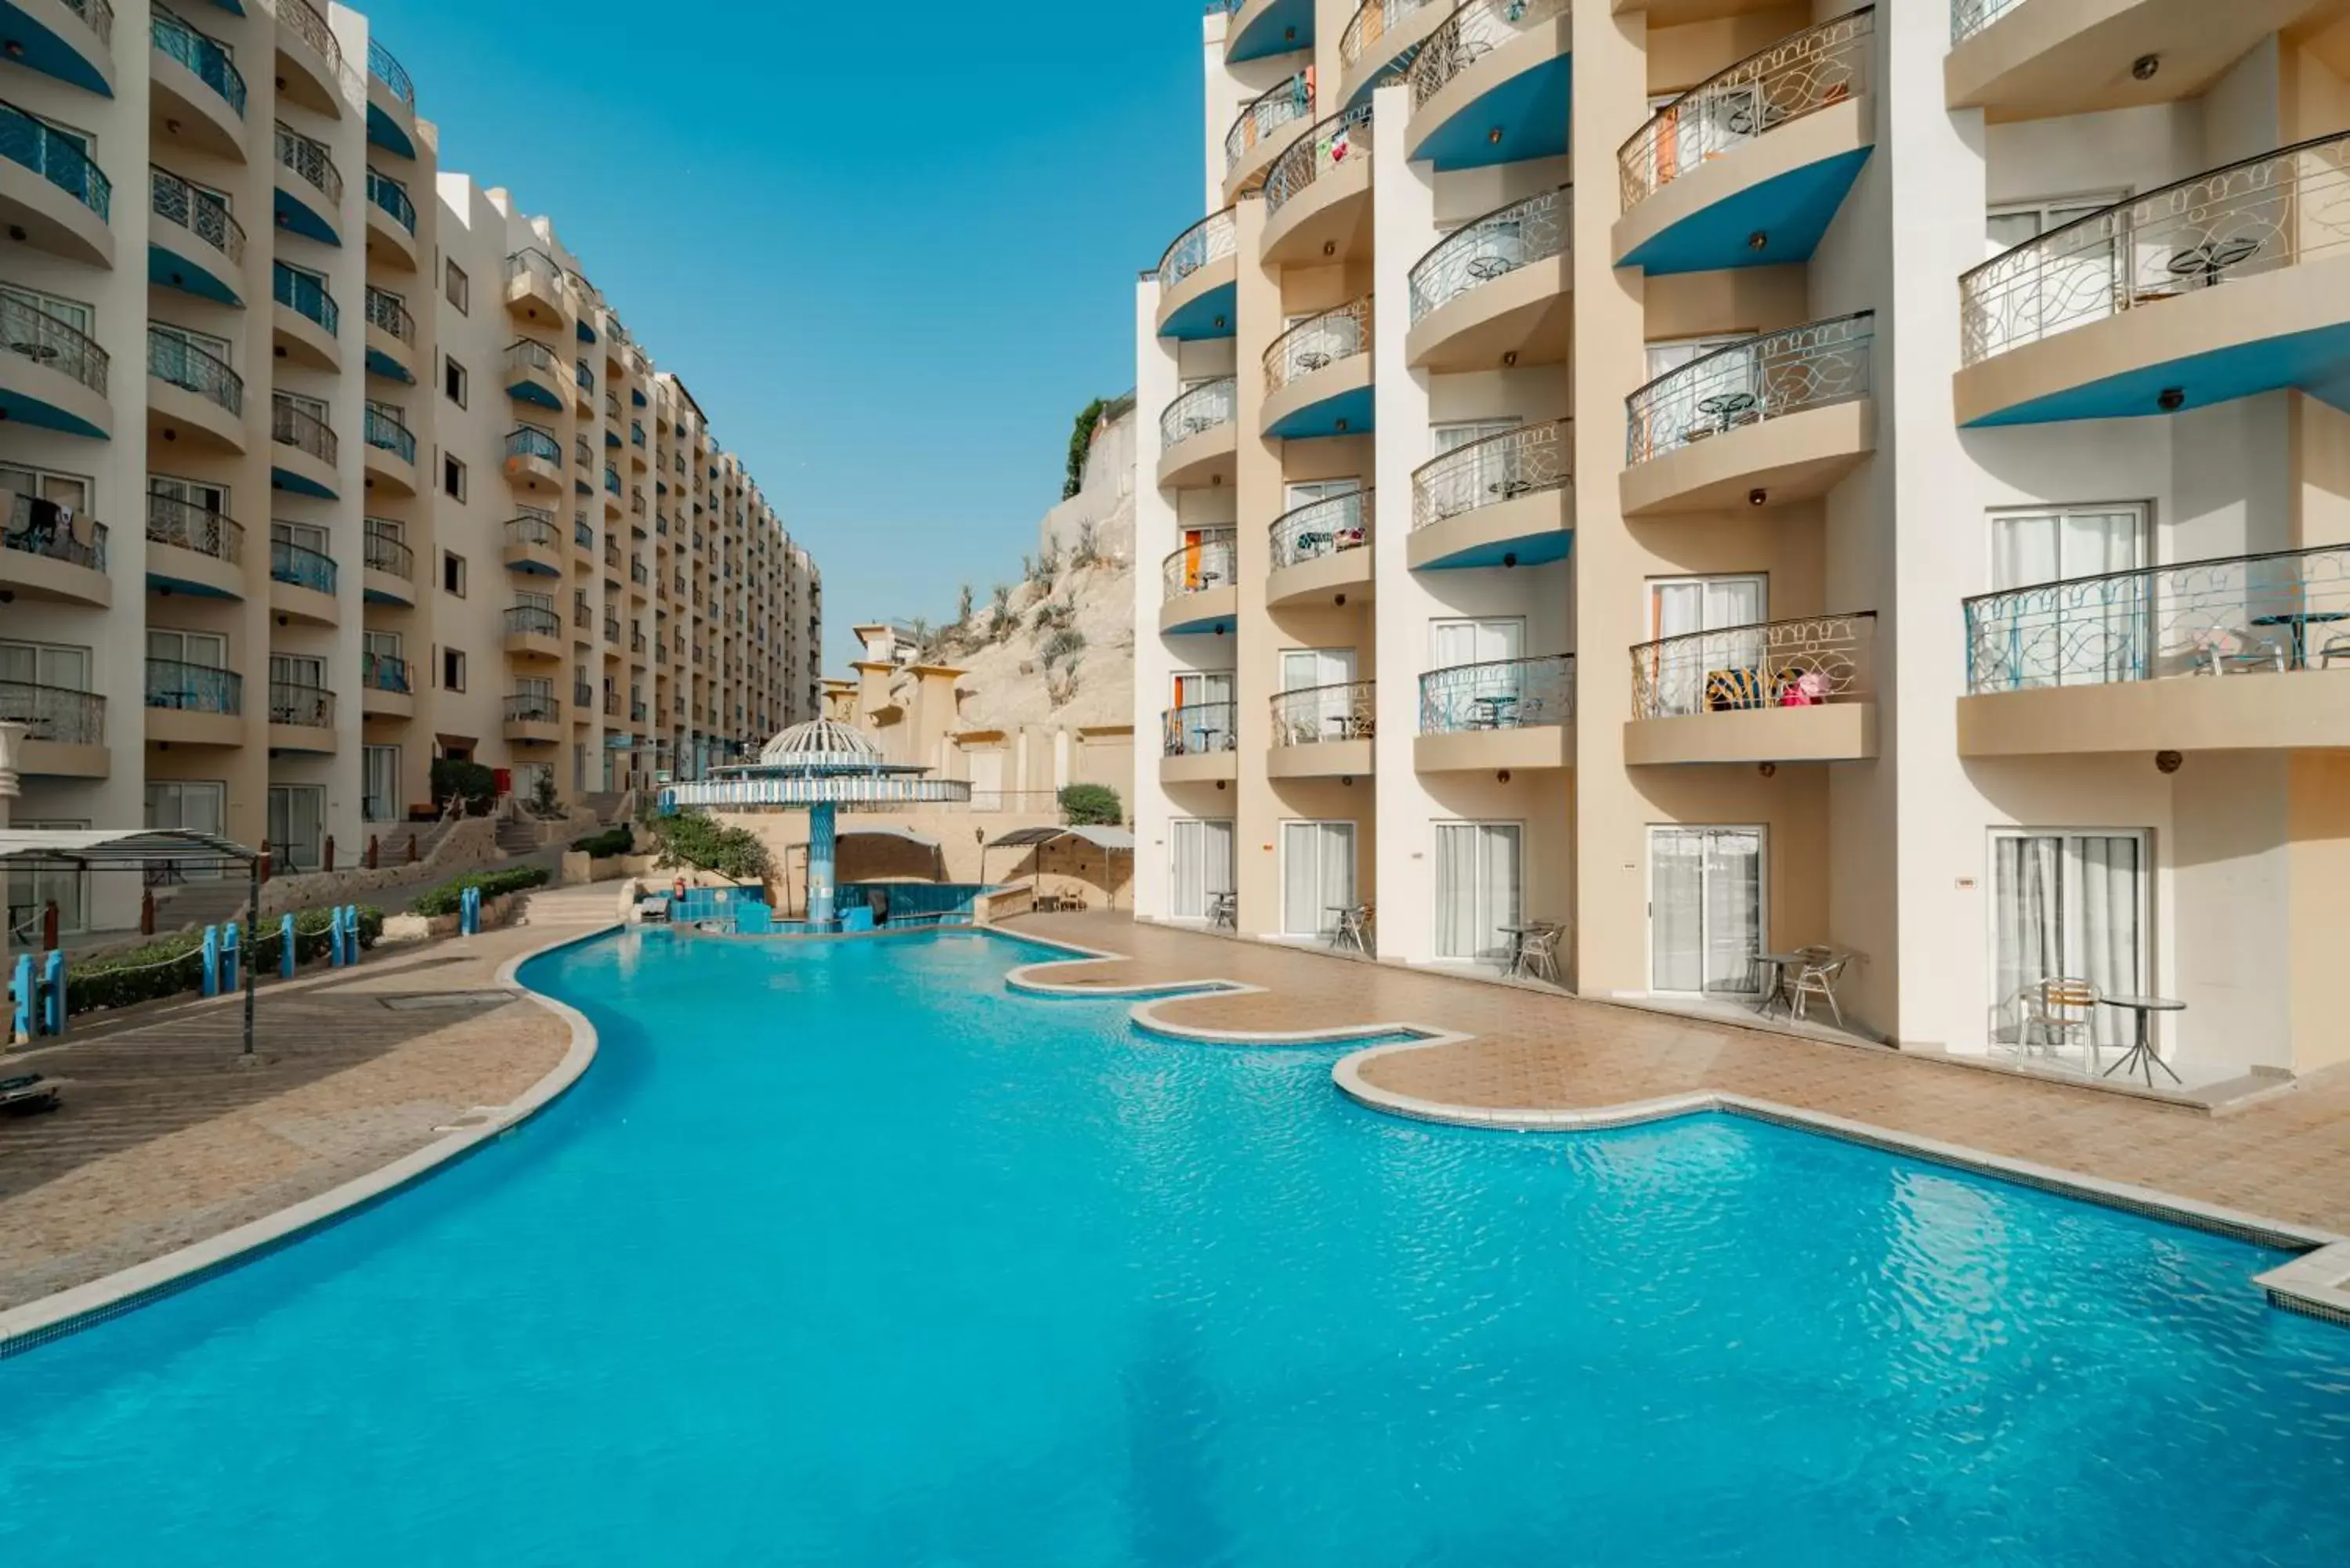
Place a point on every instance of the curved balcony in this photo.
(390, 338)
(65, 729)
(386, 689)
(194, 244)
(301, 716)
(307, 192)
(309, 58)
(535, 290)
(193, 550)
(391, 455)
(1491, 85)
(534, 543)
(1503, 713)
(2229, 284)
(51, 189)
(52, 375)
(1748, 168)
(196, 94)
(1780, 691)
(2236, 653)
(1317, 376)
(1324, 731)
(71, 40)
(535, 719)
(391, 569)
(1776, 419)
(46, 556)
(534, 462)
(1263, 130)
(301, 583)
(534, 374)
(2045, 58)
(1317, 195)
(1495, 292)
(307, 322)
(1198, 280)
(391, 222)
(188, 390)
(302, 459)
(194, 704)
(392, 103)
(1198, 436)
(1198, 744)
(1319, 553)
(532, 632)
(1258, 29)
(1505, 501)
(1380, 41)
(1198, 584)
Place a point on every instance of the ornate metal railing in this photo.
(1283, 103)
(533, 620)
(1797, 76)
(1372, 21)
(2264, 214)
(611, 482)
(636, 433)
(387, 551)
(1198, 730)
(522, 355)
(1323, 528)
(301, 566)
(192, 527)
(1208, 562)
(1499, 468)
(98, 13)
(2281, 610)
(306, 295)
(392, 196)
(1774, 664)
(76, 541)
(298, 702)
(191, 369)
(1318, 342)
(290, 424)
(54, 713)
(1500, 694)
(306, 23)
(527, 441)
(311, 161)
(384, 430)
(29, 331)
(1315, 713)
(1332, 141)
(1765, 378)
(1492, 246)
(390, 73)
(534, 529)
(193, 688)
(201, 53)
(55, 158)
(1203, 409)
(534, 708)
(386, 313)
(1969, 17)
(200, 213)
(384, 673)
(1213, 238)
(583, 375)
(1475, 29)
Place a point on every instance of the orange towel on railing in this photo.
(1667, 144)
(1191, 560)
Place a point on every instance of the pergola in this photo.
(1109, 840)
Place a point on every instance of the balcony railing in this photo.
(534, 529)
(290, 424)
(1371, 22)
(1777, 664)
(1209, 562)
(1500, 694)
(78, 542)
(1283, 103)
(636, 433)
(201, 53)
(2275, 611)
(533, 620)
(1492, 246)
(1331, 142)
(524, 356)
(1323, 528)
(611, 635)
(306, 295)
(533, 708)
(585, 377)
(583, 696)
(311, 161)
(388, 553)
(582, 534)
(98, 13)
(1475, 29)
(192, 527)
(1198, 411)
(301, 566)
(1311, 715)
(390, 73)
(392, 196)
(55, 158)
(1969, 17)
(612, 555)
(611, 480)
(638, 575)
(384, 430)
(200, 213)
(384, 673)
(57, 714)
(1198, 729)
(387, 314)
(29, 331)
(1520, 461)
(524, 440)
(1318, 342)
(1797, 76)
(191, 369)
(1812, 365)
(298, 702)
(535, 264)
(2262, 215)
(193, 688)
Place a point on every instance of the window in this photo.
(452, 573)
(31, 892)
(2103, 636)
(1478, 888)
(2050, 544)
(452, 380)
(1727, 608)
(1317, 875)
(452, 477)
(1488, 696)
(1456, 434)
(2072, 904)
(379, 784)
(193, 495)
(81, 318)
(64, 490)
(204, 649)
(2011, 223)
(193, 806)
(40, 664)
(1670, 354)
(2075, 284)
(298, 816)
(457, 285)
(452, 670)
(219, 348)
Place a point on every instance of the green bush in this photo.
(605, 845)
(445, 900)
(1091, 805)
(475, 784)
(693, 838)
(175, 965)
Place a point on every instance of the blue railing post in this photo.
(334, 959)
(212, 961)
(231, 957)
(351, 924)
(53, 994)
(20, 1024)
(285, 947)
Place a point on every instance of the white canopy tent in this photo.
(1108, 840)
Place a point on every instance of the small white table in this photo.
(2142, 1052)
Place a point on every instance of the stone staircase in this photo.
(517, 838)
(584, 904)
(200, 903)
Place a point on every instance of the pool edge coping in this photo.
(53, 1316)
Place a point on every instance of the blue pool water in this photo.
(843, 1255)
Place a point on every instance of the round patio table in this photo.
(2142, 1052)
(1778, 964)
(1724, 408)
(2300, 621)
(1486, 268)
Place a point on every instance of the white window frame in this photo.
(1762, 896)
(1436, 905)
(2112, 1032)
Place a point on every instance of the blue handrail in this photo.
(200, 54)
(303, 293)
(390, 195)
(55, 157)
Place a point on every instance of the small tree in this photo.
(542, 791)
(918, 632)
(695, 839)
(1066, 643)
(1091, 805)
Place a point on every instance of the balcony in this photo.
(2238, 653)
(194, 704)
(533, 545)
(52, 375)
(1317, 195)
(305, 450)
(1258, 29)
(535, 290)
(390, 574)
(70, 40)
(1317, 376)
(196, 94)
(1198, 591)
(193, 246)
(1513, 713)
(1319, 553)
(65, 729)
(612, 636)
(391, 455)
(534, 461)
(392, 103)
(46, 556)
(1323, 731)
(189, 391)
(534, 376)
(390, 338)
(1263, 130)
(2232, 283)
(1748, 168)
(534, 631)
(193, 550)
(1505, 501)
(301, 583)
(1198, 744)
(1776, 419)
(1380, 41)
(534, 719)
(309, 60)
(51, 189)
(1789, 690)
(1495, 292)
(1491, 85)
(384, 688)
(391, 222)
(308, 191)
(301, 716)
(1199, 437)
(2035, 59)
(306, 321)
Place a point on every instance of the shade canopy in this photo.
(1029, 837)
(120, 848)
(883, 830)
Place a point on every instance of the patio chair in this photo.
(27, 1094)
(2224, 650)
(2335, 647)
(1353, 929)
(2060, 1010)
(1223, 911)
(1818, 976)
(1537, 954)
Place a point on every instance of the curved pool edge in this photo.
(78, 1307)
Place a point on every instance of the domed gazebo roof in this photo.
(820, 746)
(819, 762)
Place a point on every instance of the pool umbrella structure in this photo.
(1108, 840)
(817, 767)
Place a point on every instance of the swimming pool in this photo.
(842, 1254)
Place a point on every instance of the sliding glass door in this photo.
(1202, 866)
(1705, 909)
(1317, 875)
(2072, 905)
(1478, 888)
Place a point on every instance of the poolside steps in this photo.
(586, 904)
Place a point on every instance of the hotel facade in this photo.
(320, 462)
(1724, 477)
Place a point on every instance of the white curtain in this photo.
(1202, 866)
(1706, 908)
(2027, 938)
(2067, 905)
(1317, 874)
(2096, 633)
(2106, 893)
(1478, 889)
(1704, 604)
(1676, 919)
(1733, 908)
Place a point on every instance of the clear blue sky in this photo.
(891, 249)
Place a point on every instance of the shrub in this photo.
(175, 965)
(605, 845)
(1050, 617)
(1063, 644)
(695, 839)
(1081, 443)
(1088, 549)
(445, 900)
(472, 783)
(1091, 805)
